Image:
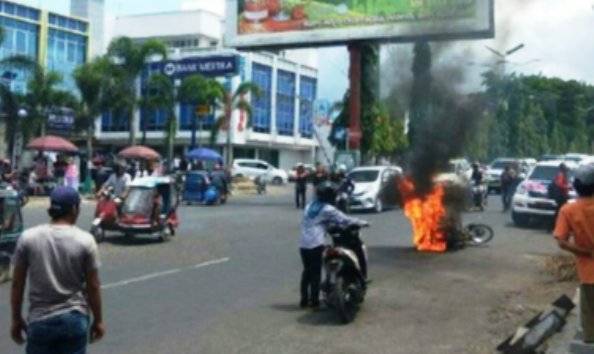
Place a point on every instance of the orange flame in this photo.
(426, 215)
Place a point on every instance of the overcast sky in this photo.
(558, 34)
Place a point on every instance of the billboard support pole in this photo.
(354, 136)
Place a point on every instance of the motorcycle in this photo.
(345, 263)
(342, 202)
(260, 182)
(479, 196)
(106, 214)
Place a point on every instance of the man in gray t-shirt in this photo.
(61, 264)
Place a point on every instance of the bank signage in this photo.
(60, 120)
(211, 66)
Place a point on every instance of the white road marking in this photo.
(162, 274)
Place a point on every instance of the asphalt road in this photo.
(228, 283)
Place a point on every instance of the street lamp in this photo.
(503, 56)
(18, 139)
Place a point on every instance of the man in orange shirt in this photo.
(574, 232)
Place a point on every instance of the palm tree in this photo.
(12, 102)
(43, 95)
(199, 91)
(131, 58)
(160, 95)
(233, 101)
(92, 80)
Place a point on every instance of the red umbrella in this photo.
(52, 143)
(139, 152)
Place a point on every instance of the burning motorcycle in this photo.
(345, 265)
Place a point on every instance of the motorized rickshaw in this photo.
(150, 208)
(10, 229)
(198, 189)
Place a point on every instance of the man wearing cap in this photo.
(61, 264)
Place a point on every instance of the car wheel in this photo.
(520, 220)
(277, 181)
(379, 206)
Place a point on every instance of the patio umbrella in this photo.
(139, 152)
(52, 143)
(204, 154)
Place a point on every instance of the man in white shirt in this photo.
(119, 181)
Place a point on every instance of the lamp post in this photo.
(503, 56)
(18, 139)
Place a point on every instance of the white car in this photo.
(253, 168)
(375, 188)
(532, 195)
(493, 174)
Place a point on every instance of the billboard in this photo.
(308, 23)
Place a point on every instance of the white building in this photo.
(281, 127)
(94, 11)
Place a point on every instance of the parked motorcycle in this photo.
(345, 265)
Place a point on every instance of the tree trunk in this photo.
(132, 128)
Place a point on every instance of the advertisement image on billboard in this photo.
(300, 23)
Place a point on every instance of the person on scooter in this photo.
(119, 181)
(218, 179)
(319, 216)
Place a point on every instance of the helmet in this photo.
(563, 167)
(584, 181)
(326, 192)
(341, 168)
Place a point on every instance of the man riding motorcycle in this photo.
(319, 217)
(119, 181)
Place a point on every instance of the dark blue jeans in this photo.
(64, 334)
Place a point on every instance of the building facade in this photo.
(94, 12)
(280, 129)
(57, 42)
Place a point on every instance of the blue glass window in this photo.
(9, 8)
(187, 113)
(22, 11)
(261, 77)
(114, 122)
(153, 120)
(64, 53)
(285, 102)
(307, 95)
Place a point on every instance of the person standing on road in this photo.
(301, 177)
(559, 188)
(508, 180)
(576, 221)
(61, 263)
(318, 216)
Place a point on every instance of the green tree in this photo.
(130, 59)
(160, 96)
(92, 82)
(197, 90)
(237, 100)
(43, 95)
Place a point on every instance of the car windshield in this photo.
(546, 173)
(364, 176)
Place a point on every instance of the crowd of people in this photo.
(320, 175)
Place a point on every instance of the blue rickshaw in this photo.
(11, 228)
(199, 190)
